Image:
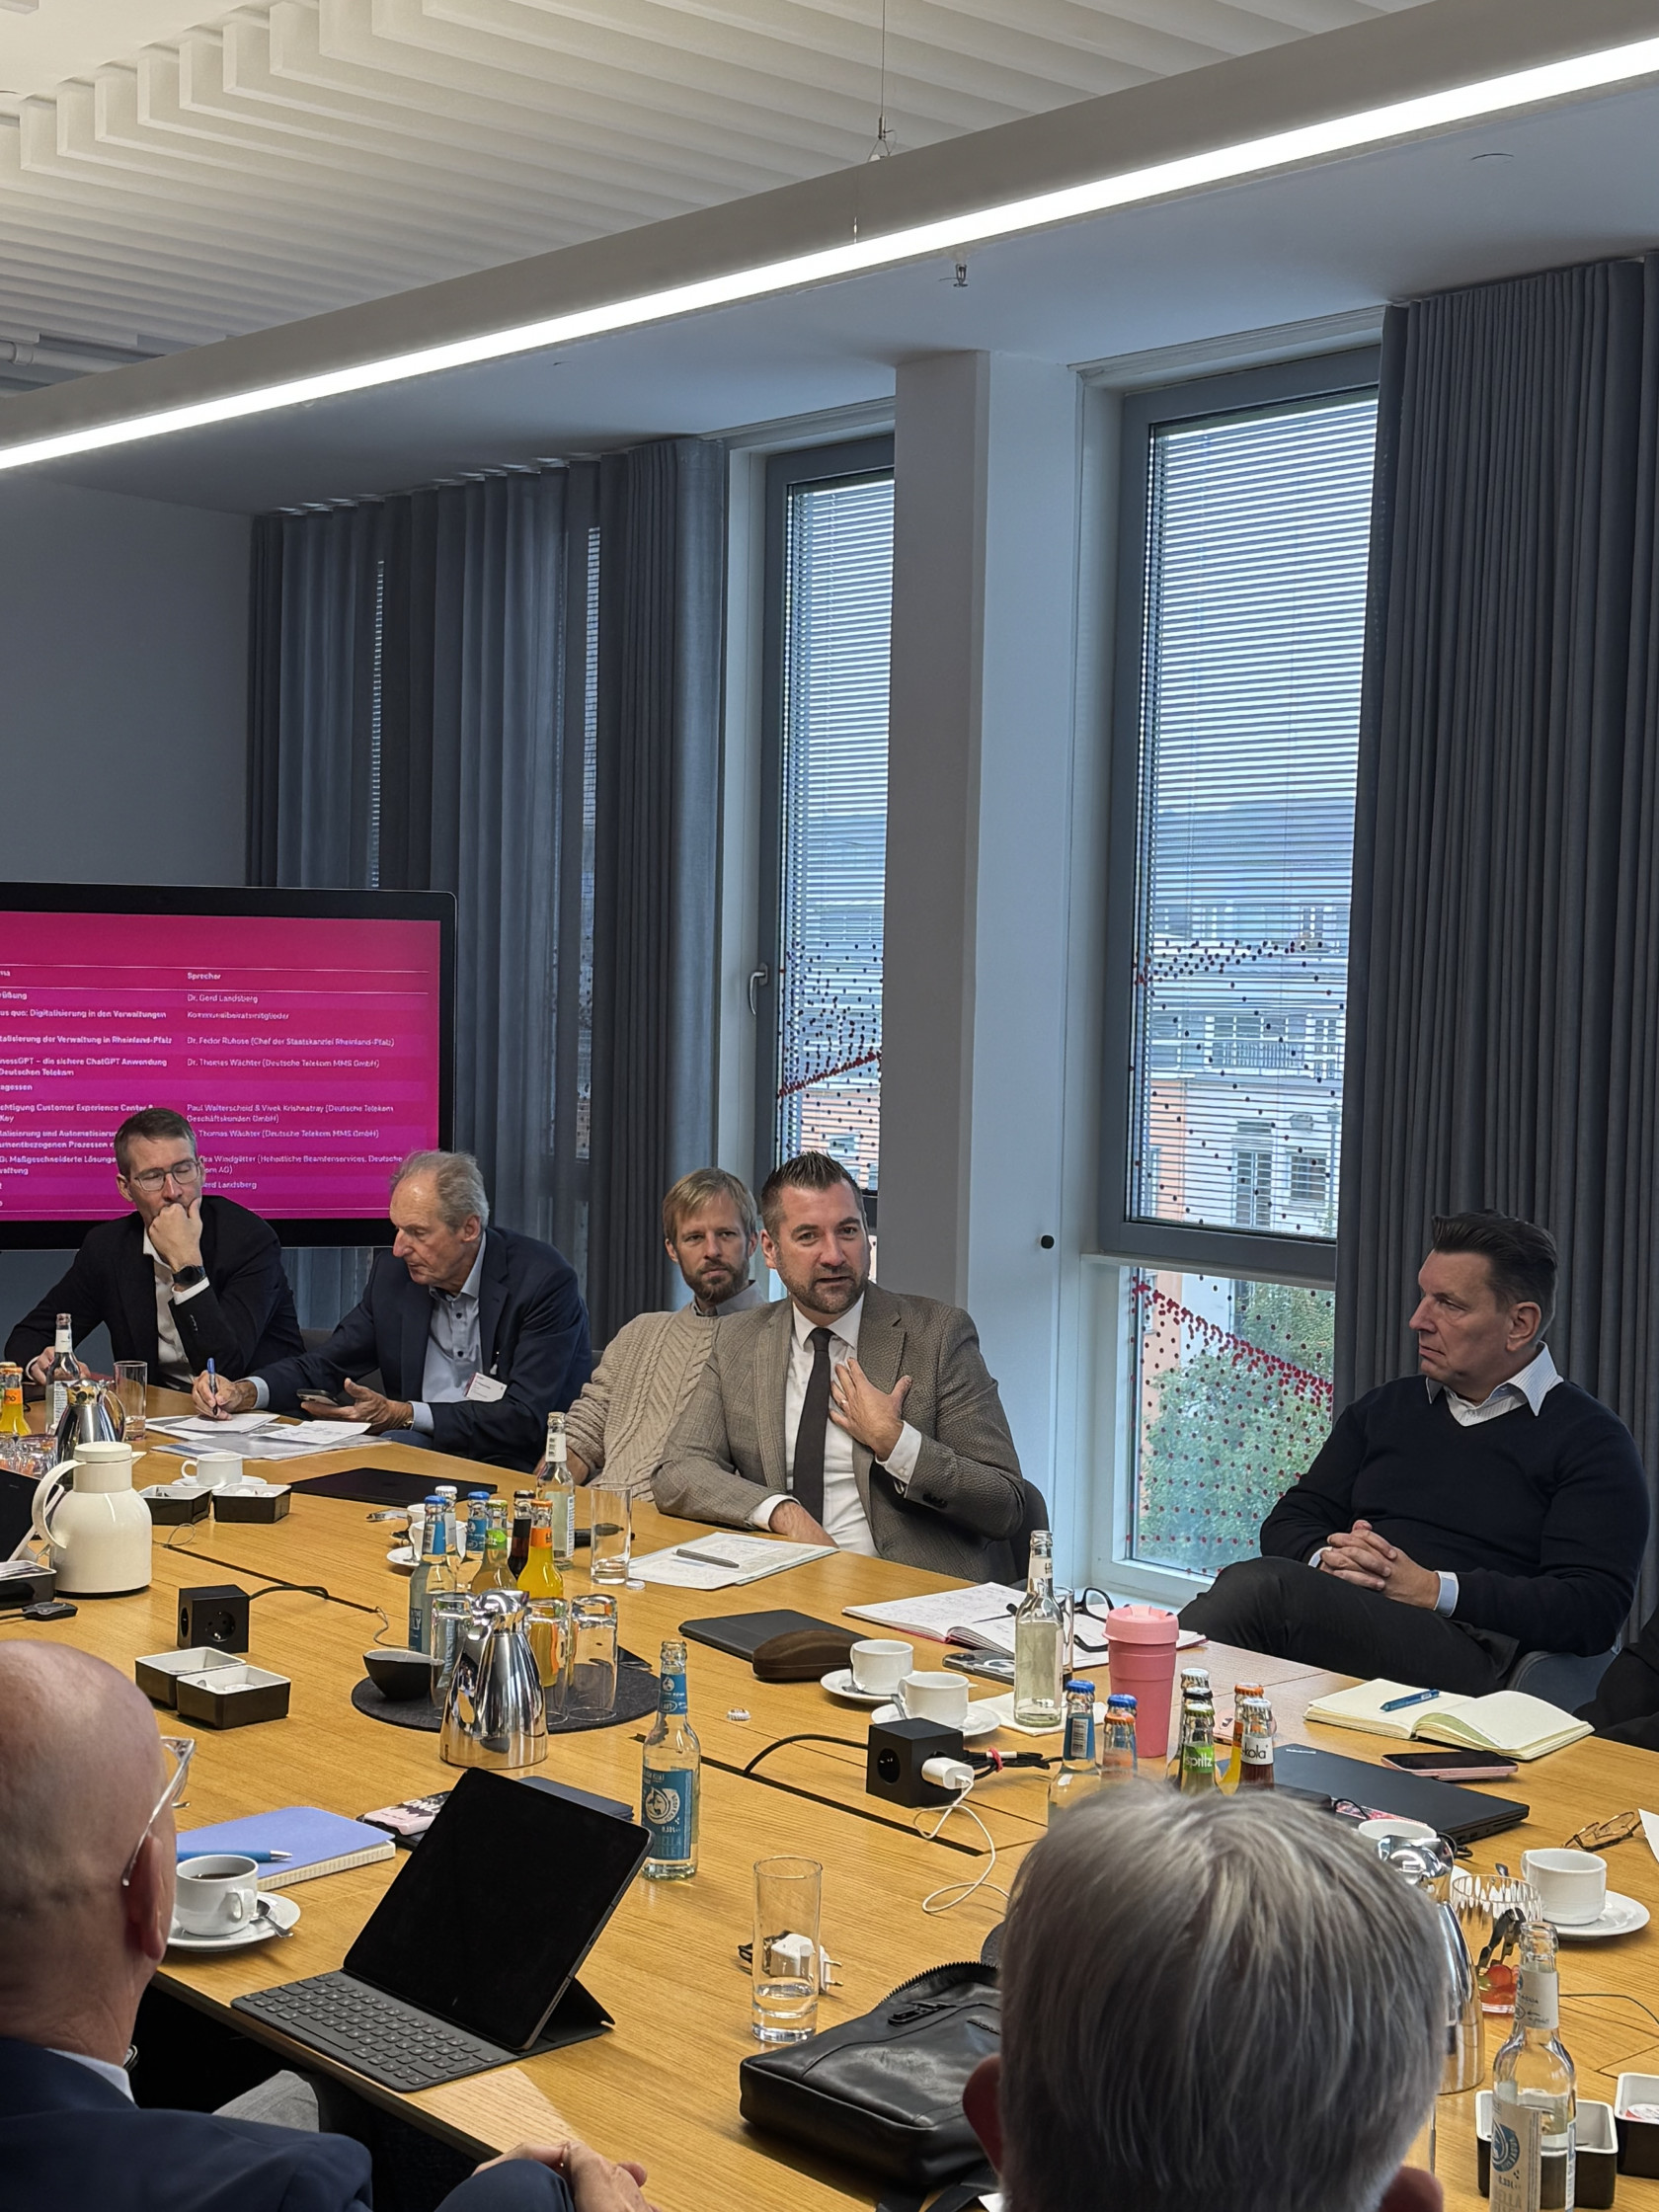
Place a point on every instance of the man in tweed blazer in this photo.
(848, 1413)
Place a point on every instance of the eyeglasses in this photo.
(182, 1171)
(1596, 1834)
(183, 1749)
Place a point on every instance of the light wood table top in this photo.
(662, 2085)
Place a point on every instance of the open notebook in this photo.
(1508, 1721)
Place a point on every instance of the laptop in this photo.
(431, 1992)
(1462, 1815)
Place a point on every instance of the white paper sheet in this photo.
(750, 1559)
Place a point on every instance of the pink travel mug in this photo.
(1140, 1642)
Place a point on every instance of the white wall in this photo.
(123, 710)
(977, 1061)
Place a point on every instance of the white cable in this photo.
(966, 1889)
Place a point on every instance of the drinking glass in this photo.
(783, 1966)
(612, 1533)
(131, 1379)
(591, 1692)
(1492, 1910)
(552, 1641)
(451, 1616)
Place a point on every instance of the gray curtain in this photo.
(1502, 1030)
(479, 688)
(662, 539)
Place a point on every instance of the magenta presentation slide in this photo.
(305, 1053)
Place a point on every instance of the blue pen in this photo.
(1417, 1697)
(213, 1385)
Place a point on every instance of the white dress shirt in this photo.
(115, 2076)
(173, 1360)
(1529, 1388)
(844, 1520)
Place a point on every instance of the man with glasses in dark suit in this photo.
(184, 1277)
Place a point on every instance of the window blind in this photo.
(836, 619)
(1258, 527)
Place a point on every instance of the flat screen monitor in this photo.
(308, 1035)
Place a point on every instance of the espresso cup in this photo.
(1571, 1884)
(934, 1697)
(878, 1665)
(214, 1470)
(216, 1895)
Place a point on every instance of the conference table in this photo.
(661, 2086)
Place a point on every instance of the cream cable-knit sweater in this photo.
(623, 1417)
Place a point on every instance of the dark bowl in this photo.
(399, 1674)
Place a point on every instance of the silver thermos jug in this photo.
(495, 1714)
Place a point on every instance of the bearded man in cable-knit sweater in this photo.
(621, 1421)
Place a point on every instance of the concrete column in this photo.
(981, 764)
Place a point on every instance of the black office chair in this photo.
(312, 1338)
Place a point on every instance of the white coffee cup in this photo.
(216, 1894)
(879, 1664)
(214, 1470)
(934, 1697)
(1571, 1884)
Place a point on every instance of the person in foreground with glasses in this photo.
(1219, 2002)
(84, 1916)
(184, 1277)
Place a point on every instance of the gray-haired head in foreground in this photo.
(457, 1181)
(1212, 2004)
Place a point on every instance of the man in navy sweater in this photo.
(1457, 1517)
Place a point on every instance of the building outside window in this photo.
(1240, 634)
(818, 978)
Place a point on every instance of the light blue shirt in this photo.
(452, 1348)
(115, 2076)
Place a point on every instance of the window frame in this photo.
(848, 461)
(1303, 1262)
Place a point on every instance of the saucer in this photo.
(401, 1559)
(980, 1720)
(840, 1684)
(1620, 1916)
(281, 1910)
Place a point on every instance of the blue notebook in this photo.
(317, 1843)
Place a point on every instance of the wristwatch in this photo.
(187, 1278)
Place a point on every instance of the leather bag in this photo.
(885, 2090)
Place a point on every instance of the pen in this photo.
(707, 1558)
(1417, 1697)
(259, 1858)
(213, 1385)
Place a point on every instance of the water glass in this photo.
(783, 1965)
(592, 1694)
(451, 1616)
(1491, 1909)
(551, 1640)
(612, 1533)
(131, 1379)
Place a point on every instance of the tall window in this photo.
(819, 980)
(1234, 792)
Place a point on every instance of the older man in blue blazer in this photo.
(478, 1333)
(87, 1859)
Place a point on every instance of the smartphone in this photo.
(1452, 1766)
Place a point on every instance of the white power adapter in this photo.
(948, 1774)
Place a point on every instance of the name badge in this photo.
(484, 1390)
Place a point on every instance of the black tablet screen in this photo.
(551, 1870)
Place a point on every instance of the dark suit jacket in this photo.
(243, 1318)
(966, 1501)
(71, 2142)
(532, 1335)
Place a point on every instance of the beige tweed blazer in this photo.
(966, 1499)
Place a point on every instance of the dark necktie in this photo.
(808, 1472)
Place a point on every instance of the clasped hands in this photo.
(596, 2183)
(1361, 1557)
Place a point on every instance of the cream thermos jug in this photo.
(95, 1523)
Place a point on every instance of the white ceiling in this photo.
(166, 181)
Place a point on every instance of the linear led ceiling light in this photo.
(1371, 126)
